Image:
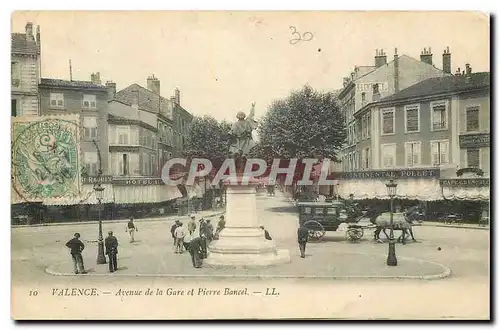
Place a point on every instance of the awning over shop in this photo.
(422, 189)
(87, 196)
(145, 194)
(467, 193)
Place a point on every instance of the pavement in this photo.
(338, 279)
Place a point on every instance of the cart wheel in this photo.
(354, 234)
(316, 230)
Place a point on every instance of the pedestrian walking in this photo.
(179, 235)
(131, 229)
(187, 240)
(76, 247)
(203, 225)
(221, 225)
(196, 251)
(111, 244)
(172, 230)
(192, 224)
(209, 230)
(302, 236)
(266, 233)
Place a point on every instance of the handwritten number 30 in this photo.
(306, 36)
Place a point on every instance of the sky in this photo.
(223, 61)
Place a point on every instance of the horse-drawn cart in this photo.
(320, 217)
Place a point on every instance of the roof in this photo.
(19, 44)
(442, 85)
(49, 82)
(147, 99)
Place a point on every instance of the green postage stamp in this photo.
(45, 158)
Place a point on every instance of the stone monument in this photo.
(242, 241)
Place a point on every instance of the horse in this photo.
(400, 222)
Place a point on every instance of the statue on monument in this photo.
(240, 135)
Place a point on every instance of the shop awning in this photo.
(422, 189)
(467, 193)
(87, 196)
(145, 194)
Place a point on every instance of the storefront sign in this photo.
(138, 182)
(474, 140)
(392, 174)
(464, 182)
(95, 179)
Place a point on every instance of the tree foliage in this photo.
(207, 139)
(305, 124)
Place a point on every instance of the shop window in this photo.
(412, 118)
(440, 152)
(439, 117)
(388, 121)
(472, 114)
(473, 156)
(413, 152)
(389, 155)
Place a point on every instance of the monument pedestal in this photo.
(242, 241)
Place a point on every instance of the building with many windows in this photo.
(426, 136)
(25, 64)
(368, 84)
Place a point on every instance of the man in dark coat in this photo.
(209, 231)
(302, 236)
(196, 251)
(173, 228)
(111, 244)
(76, 247)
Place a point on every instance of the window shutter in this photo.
(444, 152)
(434, 153)
(417, 147)
(408, 154)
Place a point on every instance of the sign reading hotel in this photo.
(106, 179)
(474, 140)
(368, 87)
(389, 174)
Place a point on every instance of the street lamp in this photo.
(391, 257)
(99, 195)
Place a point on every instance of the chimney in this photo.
(153, 84)
(177, 94)
(29, 31)
(38, 35)
(95, 78)
(459, 72)
(426, 56)
(468, 69)
(447, 60)
(396, 71)
(380, 58)
(111, 87)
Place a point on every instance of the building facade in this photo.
(25, 72)
(425, 137)
(371, 83)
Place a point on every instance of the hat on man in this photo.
(192, 216)
(177, 221)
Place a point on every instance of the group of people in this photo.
(76, 247)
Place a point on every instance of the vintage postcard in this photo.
(182, 165)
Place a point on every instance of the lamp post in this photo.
(99, 194)
(391, 257)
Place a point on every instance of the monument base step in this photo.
(247, 260)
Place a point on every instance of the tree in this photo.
(306, 124)
(208, 139)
